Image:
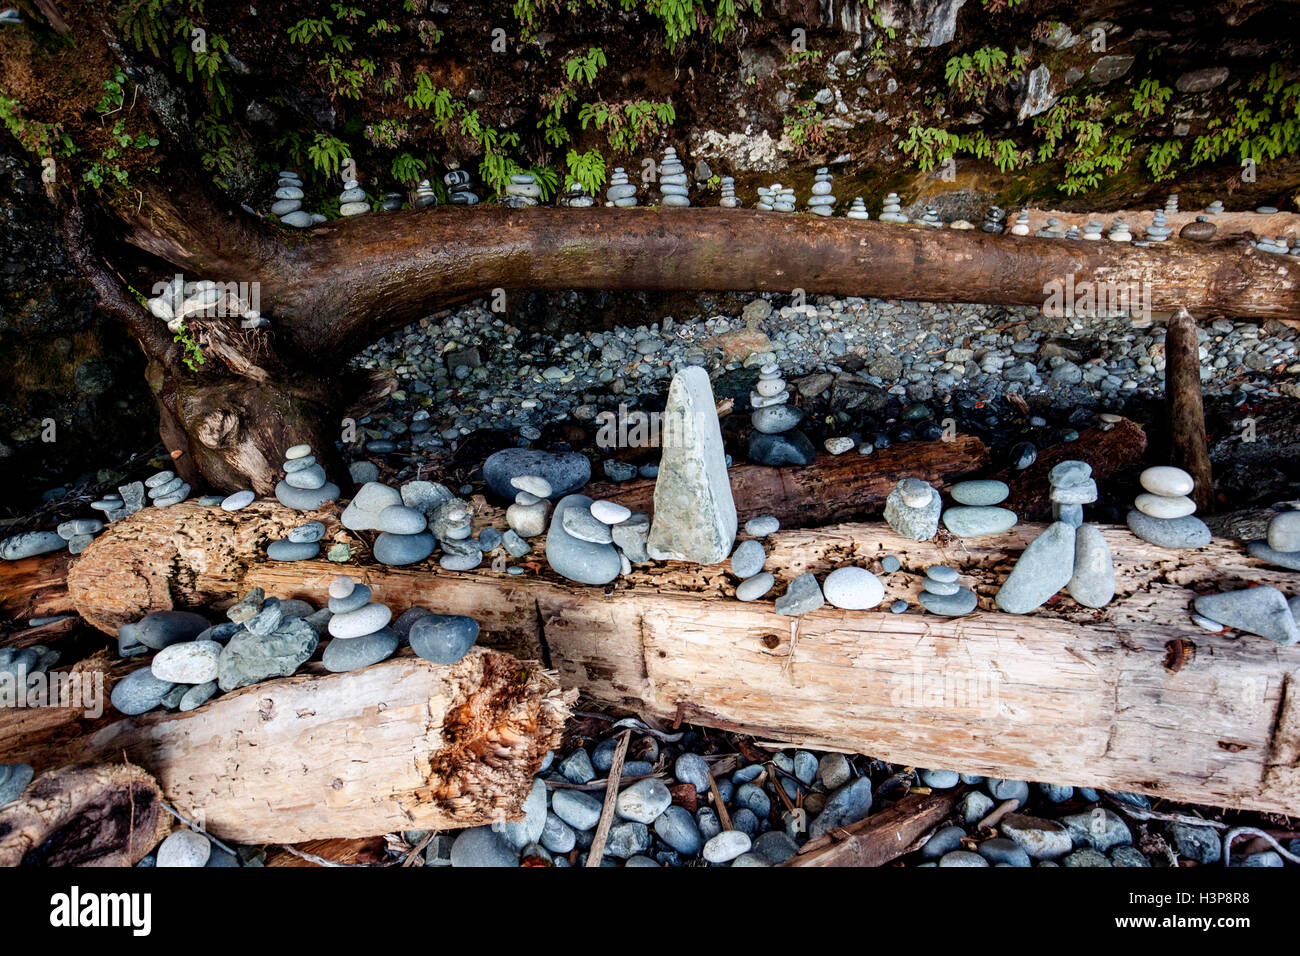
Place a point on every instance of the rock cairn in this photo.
(912, 509)
(930, 217)
(1021, 225)
(941, 594)
(358, 628)
(620, 193)
(1119, 232)
(821, 202)
(404, 538)
(304, 486)
(1052, 230)
(581, 559)
(1281, 545)
(775, 198)
(892, 211)
(1159, 230)
(425, 195)
(673, 183)
(1072, 232)
(166, 488)
(728, 199)
(776, 439)
(1277, 246)
(1093, 230)
(522, 191)
(1171, 204)
(459, 190)
(1202, 230)
(1164, 515)
(994, 221)
(1215, 208)
(575, 197)
(352, 201)
(392, 202)
(1072, 487)
(527, 516)
(750, 556)
(858, 209)
(977, 513)
(301, 544)
(452, 523)
(288, 200)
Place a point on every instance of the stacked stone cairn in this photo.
(1119, 232)
(288, 202)
(892, 210)
(930, 217)
(358, 628)
(522, 191)
(776, 439)
(575, 197)
(425, 195)
(821, 202)
(1158, 231)
(1171, 204)
(858, 209)
(352, 201)
(1215, 208)
(1021, 225)
(304, 486)
(749, 557)
(941, 594)
(459, 190)
(393, 202)
(1072, 232)
(166, 489)
(1281, 545)
(775, 198)
(1093, 230)
(673, 183)
(976, 513)
(1052, 230)
(301, 544)
(621, 192)
(1277, 246)
(452, 523)
(728, 199)
(1164, 515)
(912, 509)
(994, 221)
(527, 516)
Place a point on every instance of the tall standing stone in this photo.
(695, 515)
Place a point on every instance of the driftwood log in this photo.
(99, 815)
(1189, 447)
(404, 744)
(1131, 697)
(881, 837)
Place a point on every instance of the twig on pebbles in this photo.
(597, 851)
(994, 818)
(1255, 832)
(718, 803)
(1137, 813)
(419, 848)
(195, 827)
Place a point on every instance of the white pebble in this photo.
(298, 451)
(342, 586)
(1167, 480)
(609, 512)
(184, 848)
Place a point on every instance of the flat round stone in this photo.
(1162, 506)
(184, 848)
(748, 559)
(853, 589)
(364, 620)
(941, 588)
(138, 692)
(443, 638)
(159, 479)
(751, 589)
(975, 522)
(353, 653)
(342, 586)
(305, 533)
(762, 526)
(298, 464)
(889, 564)
(1174, 533)
(298, 451)
(399, 519)
(609, 512)
(358, 597)
(286, 550)
(460, 562)
(396, 550)
(980, 493)
(940, 572)
(580, 523)
(1167, 480)
(949, 605)
(1284, 532)
(533, 484)
(915, 492)
(1069, 473)
(240, 499)
(190, 662)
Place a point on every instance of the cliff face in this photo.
(64, 361)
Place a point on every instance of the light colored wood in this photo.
(881, 837)
(403, 744)
(1065, 695)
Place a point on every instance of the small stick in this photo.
(994, 818)
(597, 851)
(723, 816)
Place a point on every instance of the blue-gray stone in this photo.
(975, 522)
(1039, 838)
(947, 605)
(849, 804)
(1043, 569)
(939, 779)
(748, 559)
(962, 858)
(676, 827)
(1000, 850)
(1098, 828)
(628, 839)
(306, 499)
(754, 798)
(805, 766)
(248, 658)
(1200, 844)
(489, 539)
(31, 544)
(982, 493)
(286, 550)
(401, 520)
(14, 778)
(1283, 559)
(481, 846)
(139, 691)
(396, 550)
(566, 473)
(1000, 789)
(160, 629)
(557, 836)
(1260, 610)
(573, 558)
(1086, 857)
(693, 769)
(776, 419)
(1092, 582)
(357, 598)
(578, 809)
(444, 638)
(353, 653)
(1175, 533)
(804, 594)
(1069, 474)
(746, 821)
(1128, 856)
(518, 834)
(889, 564)
(197, 696)
(707, 819)
(943, 840)
(788, 448)
(267, 619)
(974, 806)
(644, 800)
(775, 846)
(1267, 858)
(577, 768)
(311, 531)
(900, 606)
(1056, 793)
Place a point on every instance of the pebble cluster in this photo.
(943, 595)
(912, 509)
(575, 197)
(858, 209)
(181, 300)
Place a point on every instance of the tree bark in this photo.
(403, 744)
(1189, 448)
(1130, 697)
(100, 815)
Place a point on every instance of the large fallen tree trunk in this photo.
(404, 744)
(1132, 697)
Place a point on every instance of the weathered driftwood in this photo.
(404, 744)
(1189, 448)
(35, 587)
(881, 837)
(1131, 697)
(100, 815)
